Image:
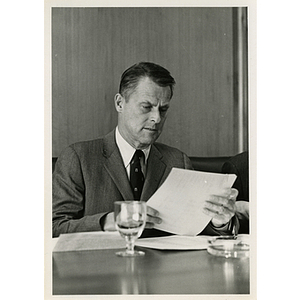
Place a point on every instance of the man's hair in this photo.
(130, 78)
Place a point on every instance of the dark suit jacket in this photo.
(90, 176)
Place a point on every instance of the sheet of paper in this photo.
(181, 197)
(175, 242)
(89, 241)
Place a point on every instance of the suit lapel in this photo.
(115, 166)
(155, 172)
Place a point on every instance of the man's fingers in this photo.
(152, 217)
(218, 212)
(221, 205)
(220, 201)
(150, 223)
(218, 218)
(227, 194)
(152, 212)
(153, 220)
(220, 209)
(234, 193)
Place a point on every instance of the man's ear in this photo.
(119, 101)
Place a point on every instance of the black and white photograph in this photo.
(151, 150)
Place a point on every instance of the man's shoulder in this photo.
(87, 143)
(89, 148)
(92, 144)
(81, 150)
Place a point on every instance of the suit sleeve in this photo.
(239, 165)
(230, 228)
(68, 197)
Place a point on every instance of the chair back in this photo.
(209, 164)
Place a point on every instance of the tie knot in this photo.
(138, 155)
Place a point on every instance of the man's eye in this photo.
(164, 109)
(146, 107)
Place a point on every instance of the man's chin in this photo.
(149, 140)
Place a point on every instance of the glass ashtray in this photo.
(235, 247)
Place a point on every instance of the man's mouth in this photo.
(150, 129)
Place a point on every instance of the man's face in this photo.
(142, 117)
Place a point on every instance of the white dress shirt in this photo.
(127, 152)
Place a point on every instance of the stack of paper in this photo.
(112, 240)
(89, 241)
(175, 242)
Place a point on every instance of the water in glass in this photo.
(130, 220)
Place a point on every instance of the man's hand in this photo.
(109, 223)
(152, 219)
(221, 208)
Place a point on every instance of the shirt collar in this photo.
(127, 151)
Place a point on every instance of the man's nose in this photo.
(155, 116)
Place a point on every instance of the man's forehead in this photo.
(155, 101)
(152, 91)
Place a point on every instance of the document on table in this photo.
(175, 242)
(94, 240)
(181, 198)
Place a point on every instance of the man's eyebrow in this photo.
(147, 102)
(165, 105)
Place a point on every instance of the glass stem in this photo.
(130, 245)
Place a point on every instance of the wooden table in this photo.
(158, 272)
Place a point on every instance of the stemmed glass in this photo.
(130, 220)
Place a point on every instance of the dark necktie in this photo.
(136, 174)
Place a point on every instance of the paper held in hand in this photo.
(181, 198)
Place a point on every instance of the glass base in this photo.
(130, 253)
(232, 250)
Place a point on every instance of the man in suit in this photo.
(90, 176)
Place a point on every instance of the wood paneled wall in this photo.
(91, 47)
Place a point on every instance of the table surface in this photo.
(158, 272)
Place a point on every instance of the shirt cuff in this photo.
(102, 221)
